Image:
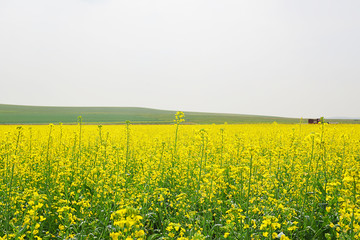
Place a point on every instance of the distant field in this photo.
(16, 114)
(12, 114)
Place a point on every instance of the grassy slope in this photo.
(11, 114)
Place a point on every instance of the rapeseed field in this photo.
(264, 181)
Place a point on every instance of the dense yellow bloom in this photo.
(179, 181)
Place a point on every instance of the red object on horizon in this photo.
(314, 121)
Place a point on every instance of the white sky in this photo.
(283, 58)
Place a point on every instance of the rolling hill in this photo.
(19, 114)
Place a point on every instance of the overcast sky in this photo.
(281, 58)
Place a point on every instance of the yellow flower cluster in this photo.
(264, 181)
(128, 224)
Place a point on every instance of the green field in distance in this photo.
(19, 114)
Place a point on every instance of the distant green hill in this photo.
(12, 114)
